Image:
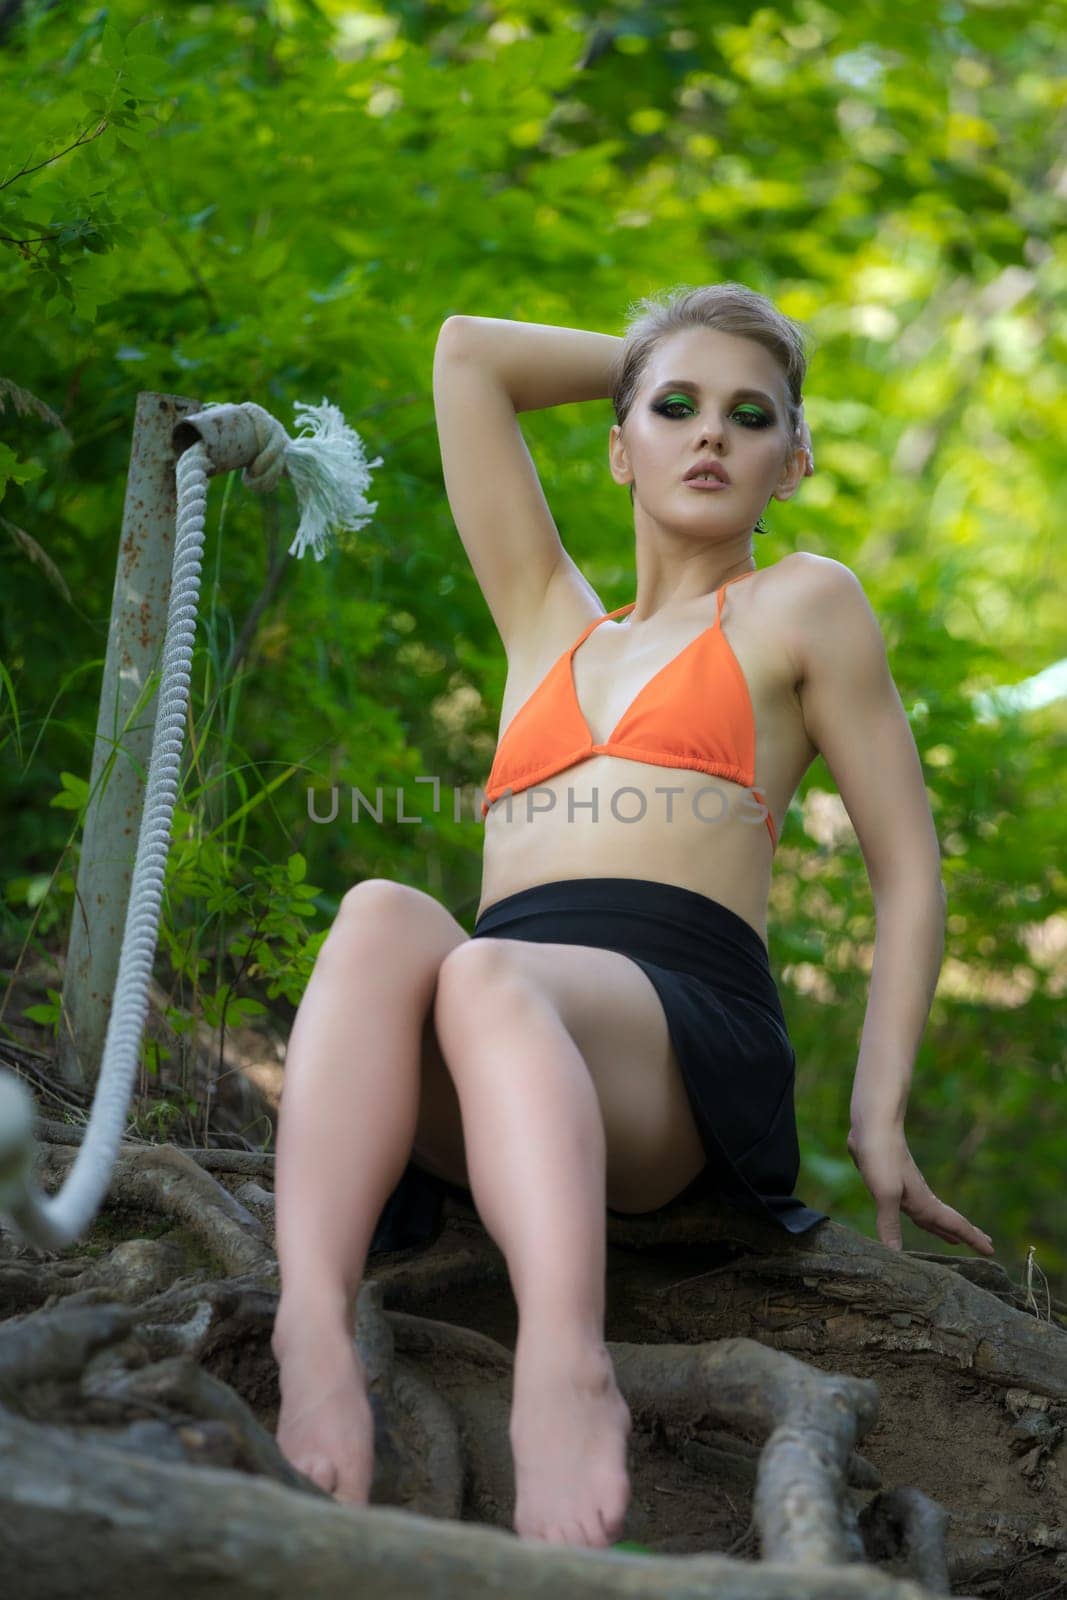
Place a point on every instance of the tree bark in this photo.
(138, 1398)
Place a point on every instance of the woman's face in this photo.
(706, 393)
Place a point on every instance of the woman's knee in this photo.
(394, 922)
(465, 973)
(375, 899)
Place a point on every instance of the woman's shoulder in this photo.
(804, 566)
(803, 583)
(791, 585)
(808, 599)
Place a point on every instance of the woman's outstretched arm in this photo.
(855, 718)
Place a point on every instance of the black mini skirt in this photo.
(713, 977)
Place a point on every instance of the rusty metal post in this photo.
(134, 647)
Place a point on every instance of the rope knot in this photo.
(266, 468)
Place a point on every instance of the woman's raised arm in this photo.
(484, 371)
(541, 365)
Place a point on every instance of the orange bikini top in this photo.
(695, 712)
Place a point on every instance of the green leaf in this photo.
(41, 1013)
(14, 470)
(74, 794)
(245, 1007)
(112, 45)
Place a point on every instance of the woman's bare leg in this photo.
(536, 1157)
(350, 1109)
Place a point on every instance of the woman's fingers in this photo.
(889, 1171)
(934, 1216)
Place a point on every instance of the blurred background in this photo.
(283, 202)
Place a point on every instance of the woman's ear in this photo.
(804, 443)
(615, 466)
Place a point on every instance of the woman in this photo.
(610, 1034)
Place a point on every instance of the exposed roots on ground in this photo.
(138, 1397)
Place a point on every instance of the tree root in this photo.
(89, 1522)
(139, 1380)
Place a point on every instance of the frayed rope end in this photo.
(330, 473)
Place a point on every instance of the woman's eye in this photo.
(751, 416)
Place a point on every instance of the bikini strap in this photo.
(724, 586)
(597, 620)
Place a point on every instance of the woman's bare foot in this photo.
(569, 1428)
(325, 1425)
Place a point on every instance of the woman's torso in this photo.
(719, 847)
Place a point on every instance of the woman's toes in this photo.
(320, 1471)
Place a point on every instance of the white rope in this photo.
(329, 473)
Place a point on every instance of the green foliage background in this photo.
(281, 202)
